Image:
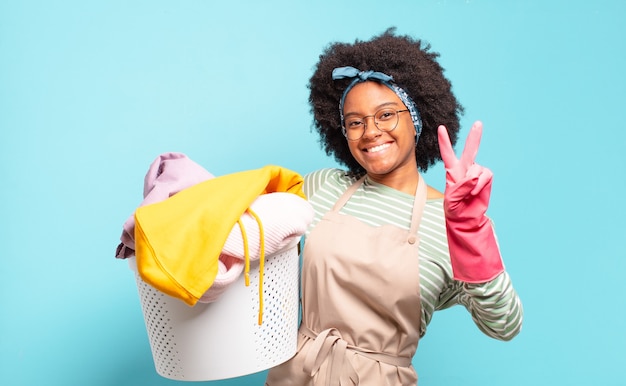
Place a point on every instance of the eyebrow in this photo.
(380, 106)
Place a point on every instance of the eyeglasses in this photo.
(385, 120)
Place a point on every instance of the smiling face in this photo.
(387, 157)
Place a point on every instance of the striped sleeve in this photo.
(314, 180)
(494, 306)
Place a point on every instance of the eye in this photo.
(385, 115)
(354, 123)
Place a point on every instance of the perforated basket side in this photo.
(161, 331)
(223, 339)
(278, 331)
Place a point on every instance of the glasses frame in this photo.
(345, 131)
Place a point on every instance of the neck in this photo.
(404, 182)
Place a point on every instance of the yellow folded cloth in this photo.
(178, 241)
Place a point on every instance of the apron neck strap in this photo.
(347, 194)
(418, 208)
(418, 203)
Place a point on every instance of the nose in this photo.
(370, 130)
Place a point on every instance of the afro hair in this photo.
(413, 67)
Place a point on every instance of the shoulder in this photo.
(333, 177)
(434, 194)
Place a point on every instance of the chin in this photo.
(379, 171)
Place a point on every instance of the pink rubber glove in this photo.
(474, 252)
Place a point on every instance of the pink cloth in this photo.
(168, 174)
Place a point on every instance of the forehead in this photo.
(367, 96)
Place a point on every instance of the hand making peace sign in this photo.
(468, 185)
(474, 252)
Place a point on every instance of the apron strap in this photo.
(418, 204)
(330, 345)
(347, 194)
(418, 209)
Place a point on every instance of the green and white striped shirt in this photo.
(494, 306)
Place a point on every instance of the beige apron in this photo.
(361, 309)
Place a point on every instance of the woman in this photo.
(385, 250)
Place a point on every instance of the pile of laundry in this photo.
(194, 234)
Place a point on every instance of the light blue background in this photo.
(91, 92)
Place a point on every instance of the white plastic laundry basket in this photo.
(223, 339)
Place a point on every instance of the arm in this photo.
(314, 180)
(481, 284)
(495, 307)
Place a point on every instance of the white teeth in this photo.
(378, 148)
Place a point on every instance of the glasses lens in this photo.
(386, 119)
(353, 127)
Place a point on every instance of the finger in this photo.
(471, 144)
(460, 190)
(445, 147)
(484, 179)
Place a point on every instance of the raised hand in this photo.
(474, 252)
(468, 185)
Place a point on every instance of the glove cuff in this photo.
(474, 253)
